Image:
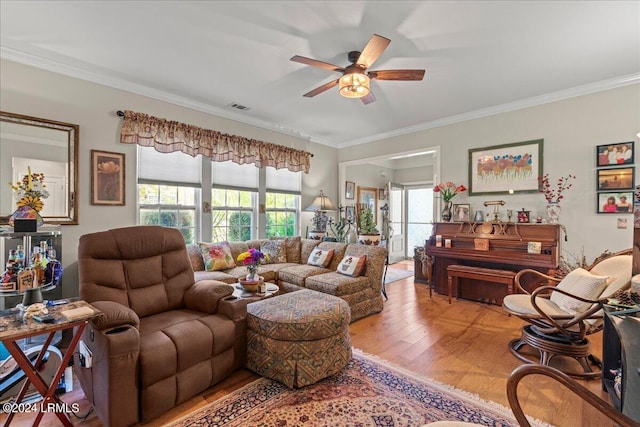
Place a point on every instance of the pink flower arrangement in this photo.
(448, 190)
(553, 194)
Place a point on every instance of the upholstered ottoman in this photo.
(298, 338)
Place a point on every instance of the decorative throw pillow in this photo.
(320, 258)
(293, 246)
(352, 265)
(217, 256)
(275, 250)
(581, 283)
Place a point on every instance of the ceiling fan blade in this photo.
(368, 98)
(316, 63)
(321, 89)
(372, 51)
(396, 75)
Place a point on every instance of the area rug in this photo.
(369, 392)
(395, 274)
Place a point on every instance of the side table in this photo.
(13, 329)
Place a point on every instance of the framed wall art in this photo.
(369, 196)
(615, 202)
(618, 154)
(349, 190)
(107, 178)
(615, 179)
(350, 213)
(506, 169)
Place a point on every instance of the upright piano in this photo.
(496, 245)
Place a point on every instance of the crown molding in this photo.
(504, 108)
(128, 86)
(150, 92)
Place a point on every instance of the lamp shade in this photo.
(354, 85)
(321, 203)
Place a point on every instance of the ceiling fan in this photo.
(355, 80)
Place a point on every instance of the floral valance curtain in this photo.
(168, 136)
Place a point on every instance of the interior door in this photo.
(419, 215)
(396, 245)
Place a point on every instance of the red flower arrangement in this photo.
(448, 190)
(554, 194)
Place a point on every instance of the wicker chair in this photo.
(522, 371)
(561, 317)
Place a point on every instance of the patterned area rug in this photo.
(368, 392)
(395, 274)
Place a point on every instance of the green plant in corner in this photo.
(366, 223)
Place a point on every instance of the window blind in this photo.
(232, 175)
(283, 181)
(176, 167)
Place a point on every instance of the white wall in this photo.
(571, 130)
(35, 92)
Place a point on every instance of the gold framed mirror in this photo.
(44, 146)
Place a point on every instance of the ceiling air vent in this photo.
(237, 106)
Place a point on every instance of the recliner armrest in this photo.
(113, 315)
(205, 295)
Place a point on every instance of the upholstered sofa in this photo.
(292, 271)
(162, 337)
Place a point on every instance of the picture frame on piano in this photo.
(506, 169)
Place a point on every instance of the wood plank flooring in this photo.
(463, 344)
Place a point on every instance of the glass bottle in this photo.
(53, 270)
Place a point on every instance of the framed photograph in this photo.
(615, 179)
(349, 190)
(620, 202)
(382, 194)
(461, 212)
(350, 213)
(369, 196)
(621, 153)
(107, 178)
(506, 169)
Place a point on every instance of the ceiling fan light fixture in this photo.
(354, 85)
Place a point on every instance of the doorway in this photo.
(408, 178)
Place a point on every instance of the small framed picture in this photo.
(349, 190)
(350, 213)
(615, 179)
(107, 178)
(447, 243)
(481, 244)
(621, 153)
(620, 202)
(382, 194)
(438, 241)
(461, 212)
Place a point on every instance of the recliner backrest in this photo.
(145, 268)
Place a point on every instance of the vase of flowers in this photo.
(448, 190)
(29, 193)
(252, 259)
(553, 194)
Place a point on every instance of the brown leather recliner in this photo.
(162, 338)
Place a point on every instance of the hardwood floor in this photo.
(463, 344)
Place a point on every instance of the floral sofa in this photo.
(290, 266)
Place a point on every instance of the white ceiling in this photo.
(481, 57)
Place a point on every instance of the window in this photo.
(282, 202)
(169, 206)
(232, 214)
(169, 191)
(282, 214)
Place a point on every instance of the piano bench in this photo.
(456, 271)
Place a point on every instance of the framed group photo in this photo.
(506, 169)
(618, 154)
(615, 202)
(107, 178)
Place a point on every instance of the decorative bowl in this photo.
(251, 285)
